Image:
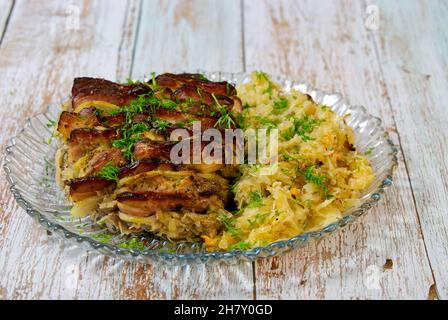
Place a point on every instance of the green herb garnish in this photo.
(160, 125)
(133, 244)
(102, 237)
(131, 134)
(280, 105)
(242, 245)
(259, 218)
(109, 172)
(51, 123)
(267, 123)
(255, 199)
(302, 127)
(229, 224)
(318, 180)
(369, 151)
(129, 81)
(225, 120)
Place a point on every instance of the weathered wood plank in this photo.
(45, 47)
(35, 265)
(413, 49)
(383, 254)
(179, 35)
(191, 35)
(5, 11)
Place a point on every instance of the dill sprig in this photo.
(255, 199)
(368, 151)
(160, 125)
(263, 76)
(242, 245)
(51, 123)
(102, 237)
(317, 179)
(109, 171)
(229, 224)
(267, 123)
(130, 135)
(259, 218)
(130, 81)
(133, 244)
(225, 120)
(302, 127)
(280, 105)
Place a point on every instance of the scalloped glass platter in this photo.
(30, 171)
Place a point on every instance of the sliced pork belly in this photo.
(83, 188)
(145, 204)
(104, 94)
(175, 81)
(145, 166)
(148, 192)
(84, 140)
(151, 149)
(68, 121)
(100, 158)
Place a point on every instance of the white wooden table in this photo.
(396, 66)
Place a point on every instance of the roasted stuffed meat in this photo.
(115, 157)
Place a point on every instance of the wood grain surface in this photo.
(340, 57)
(398, 71)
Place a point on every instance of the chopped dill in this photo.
(160, 125)
(259, 218)
(102, 237)
(225, 120)
(368, 151)
(229, 224)
(280, 105)
(242, 245)
(302, 127)
(267, 123)
(109, 171)
(131, 134)
(129, 81)
(255, 199)
(51, 123)
(133, 244)
(317, 179)
(154, 85)
(263, 76)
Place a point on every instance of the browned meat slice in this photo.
(86, 91)
(145, 204)
(191, 94)
(68, 121)
(160, 150)
(145, 149)
(144, 166)
(115, 120)
(86, 187)
(186, 183)
(218, 88)
(175, 81)
(179, 119)
(83, 140)
(103, 157)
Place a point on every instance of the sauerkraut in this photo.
(318, 176)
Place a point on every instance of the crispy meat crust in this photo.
(93, 89)
(145, 204)
(180, 201)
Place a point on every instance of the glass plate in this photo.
(30, 171)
